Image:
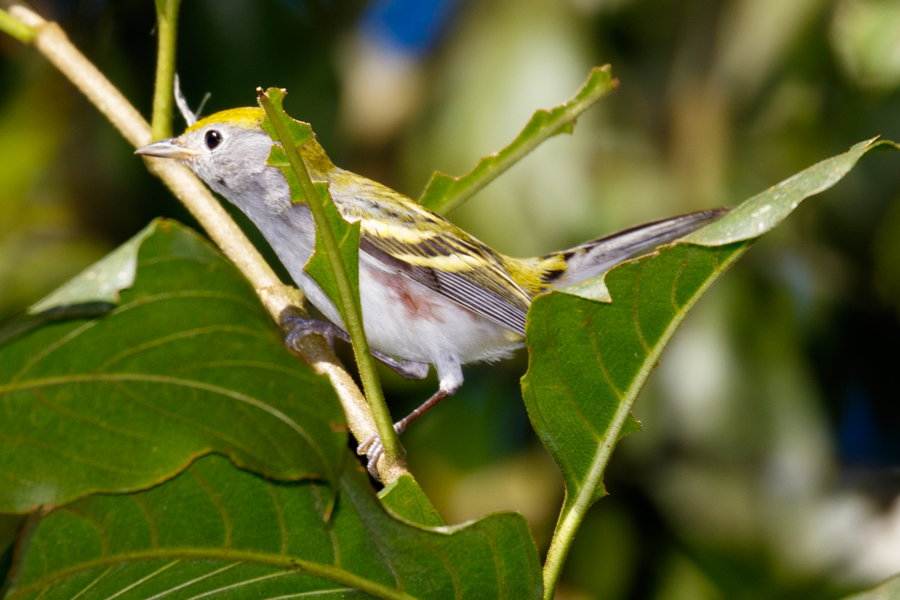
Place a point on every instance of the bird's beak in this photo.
(170, 148)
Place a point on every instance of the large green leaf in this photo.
(444, 193)
(188, 363)
(217, 532)
(589, 359)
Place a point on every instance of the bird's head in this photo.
(227, 150)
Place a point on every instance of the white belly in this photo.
(407, 320)
(402, 318)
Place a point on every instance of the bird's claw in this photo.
(304, 326)
(373, 449)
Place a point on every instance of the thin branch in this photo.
(278, 299)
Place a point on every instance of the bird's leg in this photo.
(303, 326)
(408, 369)
(373, 447)
(450, 375)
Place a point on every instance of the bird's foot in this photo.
(373, 448)
(304, 326)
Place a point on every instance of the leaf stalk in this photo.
(163, 89)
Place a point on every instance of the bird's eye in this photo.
(213, 139)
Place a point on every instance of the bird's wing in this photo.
(428, 249)
(460, 269)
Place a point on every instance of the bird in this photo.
(430, 293)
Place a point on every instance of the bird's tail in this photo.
(593, 258)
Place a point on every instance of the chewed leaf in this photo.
(300, 132)
(319, 267)
(102, 281)
(444, 193)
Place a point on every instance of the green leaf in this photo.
(589, 359)
(346, 235)
(763, 212)
(189, 363)
(299, 131)
(215, 531)
(889, 590)
(405, 499)
(102, 281)
(579, 387)
(444, 193)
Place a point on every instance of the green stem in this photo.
(351, 313)
(163, 93)
(16, 29)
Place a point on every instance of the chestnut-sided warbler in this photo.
(430, 292)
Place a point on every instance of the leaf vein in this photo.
(216, 499)
(677, 281)
(91, 584)
(191, 582)
(177, 336)
(144, 579)
(635, 307)
(167, 380)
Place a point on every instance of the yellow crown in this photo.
(245, 118)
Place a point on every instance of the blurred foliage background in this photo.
(767, 466)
